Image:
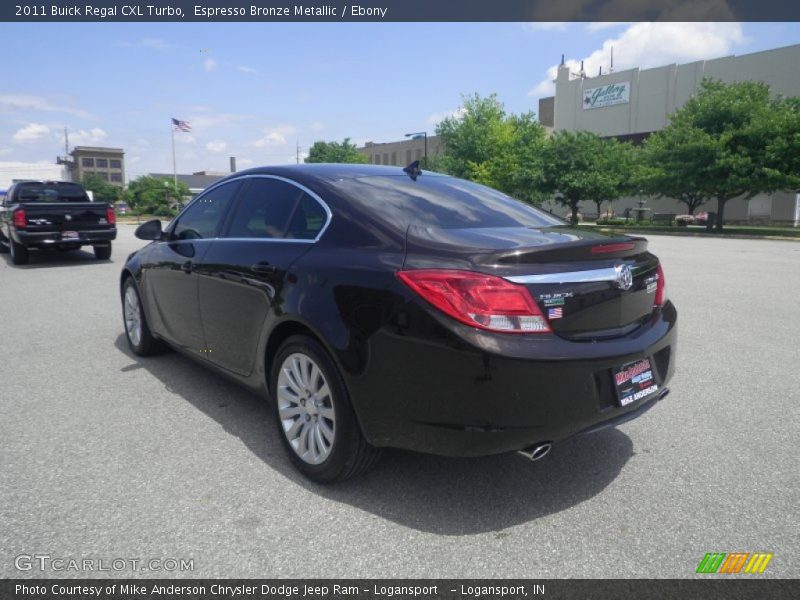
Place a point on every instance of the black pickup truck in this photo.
(54, 214)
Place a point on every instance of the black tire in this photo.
(147, 344)
(19, 253)
(102, 252)
(4, 244)
(350, 454)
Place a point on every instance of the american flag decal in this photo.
(555, 313)
(179, 125)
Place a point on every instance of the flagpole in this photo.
(174, 167)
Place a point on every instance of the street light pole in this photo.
(424, 134)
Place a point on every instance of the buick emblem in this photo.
(68, 217)
(624, 279)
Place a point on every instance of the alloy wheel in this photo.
(133, 316)
(305, 408)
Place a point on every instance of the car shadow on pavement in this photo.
(433, 494)
(43, 259)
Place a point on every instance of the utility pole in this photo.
(298, 152)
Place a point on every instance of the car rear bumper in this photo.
(459, 399)
(44, 239)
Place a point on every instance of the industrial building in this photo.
(403, 152)
(631, 104)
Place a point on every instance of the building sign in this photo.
(607, 95)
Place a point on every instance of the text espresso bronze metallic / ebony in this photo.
(382, 307)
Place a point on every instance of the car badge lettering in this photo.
(68, 217)
(624, 278)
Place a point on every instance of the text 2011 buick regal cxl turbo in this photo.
(388, 307)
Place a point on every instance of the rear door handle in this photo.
(263, 268)
(188, 267)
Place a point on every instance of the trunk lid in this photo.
(65, 216)
(588, 285)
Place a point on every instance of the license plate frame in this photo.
(634, 381)
(70, 235)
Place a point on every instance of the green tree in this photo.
(156, 195)
(334, 152)
(728, 130)
(101, 189)
(581, 166)
(485, 144)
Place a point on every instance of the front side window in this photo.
(275, 209)
(202, 219)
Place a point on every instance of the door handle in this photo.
(263, 268)
(188, 267)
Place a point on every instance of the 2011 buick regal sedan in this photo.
(386, 307)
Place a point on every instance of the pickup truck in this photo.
(54, 215)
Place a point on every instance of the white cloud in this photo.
(203, 121)
(244, 162)
(601, 25)
(216, 146)
(155, 43)
(293, 158)
(246, 69)
(317, 126)
(31, 133)
(649, 44)
(4, 151)
(82, 136)
(209, 64)
(437, 118)
(184, 138)
(275, 137)
(37, 103)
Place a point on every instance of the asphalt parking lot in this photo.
(106, 455)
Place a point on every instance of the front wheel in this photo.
(315, 419)
(140, 339)
(102, 252)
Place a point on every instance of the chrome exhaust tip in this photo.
(536, 452)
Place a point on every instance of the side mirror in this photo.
(149, 231)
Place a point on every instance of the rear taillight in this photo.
(478, 300)
(20, 220)
(111, 216)
(661, 287)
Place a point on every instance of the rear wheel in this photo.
(315, 419)
(102, 252)
(19, 253)
(140, 339)
(4, 243)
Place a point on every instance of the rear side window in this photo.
(276, 209)
(202, 219)
(440, 201)
(51, 192)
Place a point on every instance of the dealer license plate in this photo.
(634, 381)
(69, 235)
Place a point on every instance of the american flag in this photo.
(179, 125)
(555, 313)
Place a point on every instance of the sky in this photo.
(256, 90)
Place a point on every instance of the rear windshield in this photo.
(439, 201)
(51, 192)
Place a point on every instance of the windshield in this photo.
(439, 201)
(51, 192)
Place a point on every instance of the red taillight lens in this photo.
(477, 299)
(20, 220)
(661, 289)
(111, 216)
(608, 248)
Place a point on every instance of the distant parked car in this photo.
(121, 208)
(387, 307)
(54, 215)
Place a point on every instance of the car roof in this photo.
(326, 171)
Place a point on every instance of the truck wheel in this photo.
(102, 252)
(19, 253)
(140, 339)
(315, 419)
(4, 244)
